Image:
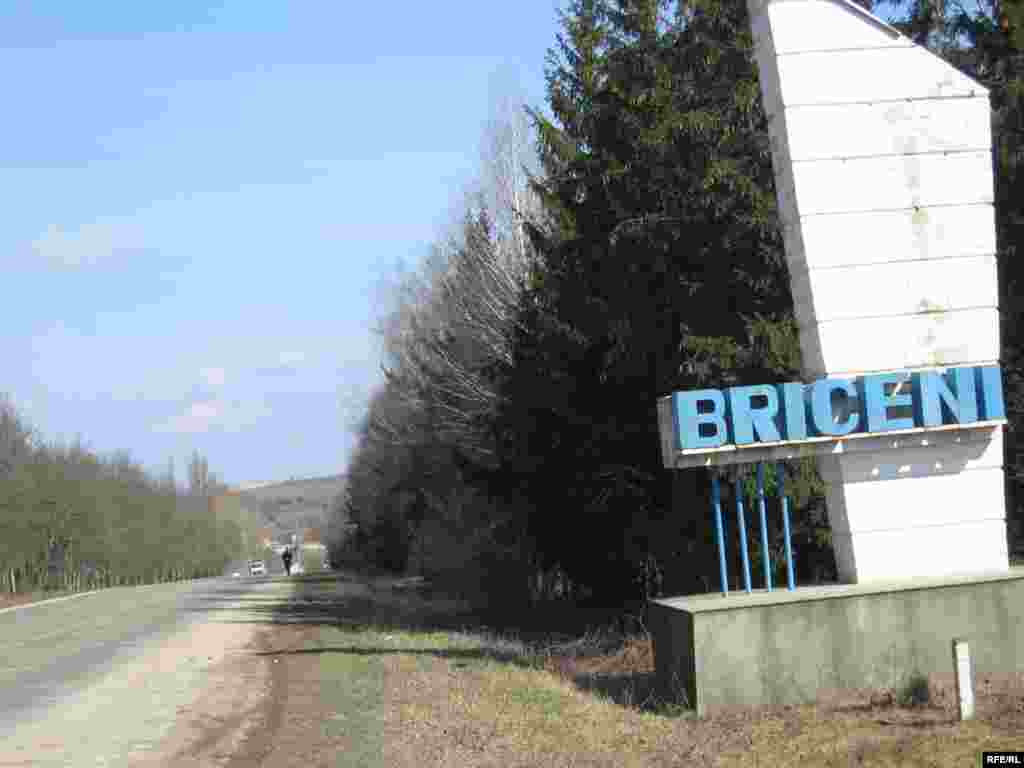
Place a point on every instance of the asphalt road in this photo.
(49, 652)
(274, 564)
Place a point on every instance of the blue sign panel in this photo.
(878, 403)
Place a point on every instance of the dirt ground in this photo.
(331, 696)
(237, 716)
(357, 673)
(8, 600)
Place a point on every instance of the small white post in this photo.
(964, 679)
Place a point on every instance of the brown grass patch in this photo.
(469, 699)
(7, 600)
(487, 713)
(589, 709)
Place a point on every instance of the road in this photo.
(100, 679)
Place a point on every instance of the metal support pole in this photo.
(716, 500)
(743, 534)
(785, 526)
(764, 527)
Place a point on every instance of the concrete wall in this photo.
(883, 171)
(776, 648)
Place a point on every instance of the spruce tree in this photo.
(663, 270)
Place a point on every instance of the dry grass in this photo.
(463, 706)
(868, 728)
(476, 698)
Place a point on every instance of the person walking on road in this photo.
(287, 557)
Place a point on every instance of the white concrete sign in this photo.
(883, 170)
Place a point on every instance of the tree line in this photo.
(71, 519)
(623, 243)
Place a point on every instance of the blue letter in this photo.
(821, 407)
(937, 396)
(689, 421)
(991, 381)
(876, 404)
(746, 418)
(795, 411)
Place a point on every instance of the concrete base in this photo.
(773, 648)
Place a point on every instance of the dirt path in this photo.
(273, 702)
(235, 716)
(364, 691)
(341, 678)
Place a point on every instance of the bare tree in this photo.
(509, 161)
(453, 321)
(199, 479)
(15, 438)
(447, 336)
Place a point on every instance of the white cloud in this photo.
(90, 245)
(214, 377)
(224, 383)
(210, 415)
(198, 417)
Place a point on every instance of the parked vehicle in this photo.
(257, 568)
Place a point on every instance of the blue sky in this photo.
(202, 200)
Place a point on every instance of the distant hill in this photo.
(292, 505)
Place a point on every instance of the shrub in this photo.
(914, 692)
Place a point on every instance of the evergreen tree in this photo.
(664, 270)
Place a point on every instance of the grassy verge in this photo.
(403, 686)
(352, 690)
